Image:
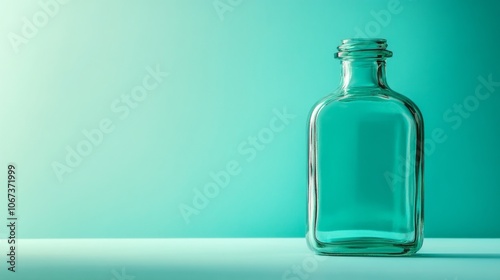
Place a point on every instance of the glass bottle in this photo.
(366, 157)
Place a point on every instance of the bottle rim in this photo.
(361, 48)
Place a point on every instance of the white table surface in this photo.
(241, 258)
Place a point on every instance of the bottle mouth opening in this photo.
(359, 48)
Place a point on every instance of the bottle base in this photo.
(364, 246)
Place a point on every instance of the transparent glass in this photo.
(366, 142)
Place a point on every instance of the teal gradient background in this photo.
(228, 75)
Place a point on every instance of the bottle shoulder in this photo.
(372, 100)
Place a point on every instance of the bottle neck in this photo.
(363, 74)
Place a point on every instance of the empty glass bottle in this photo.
(365, 161)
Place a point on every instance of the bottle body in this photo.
(365, 192)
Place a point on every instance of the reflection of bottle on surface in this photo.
(365, 161)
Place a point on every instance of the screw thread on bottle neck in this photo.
(363, 62)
